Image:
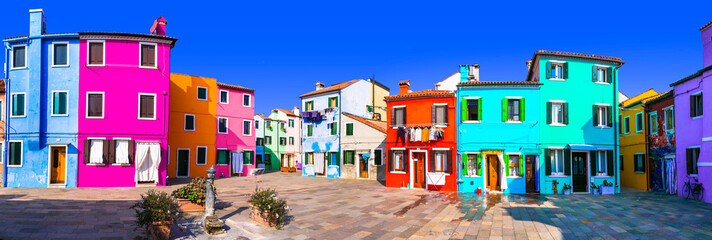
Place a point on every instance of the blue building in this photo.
(498, 132)
(321, 119)
(41, 127)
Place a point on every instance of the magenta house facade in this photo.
(693, 127)
(123, 108)
(235, 141)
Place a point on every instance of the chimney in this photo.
(319, 85)
(464, 72)
(474, 72)
(159, 26)
(37, 22)
(529, 64)
(295, 110)
(706, 45)
(404, 86)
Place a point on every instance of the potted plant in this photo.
(601, 174)
(192, 196)
(267, 208)
(595, 189)
(567, 189)
(157, 211)
(554, 184)
(607, 188)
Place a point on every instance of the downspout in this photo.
(616, 154)
(5, 146)
(373, 96)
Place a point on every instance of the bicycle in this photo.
(692, 190)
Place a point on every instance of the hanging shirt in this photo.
(425, 135)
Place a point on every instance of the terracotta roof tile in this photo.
(235, 87)
(491, 83)
(545, 52)
(706, 25)
(331, 88)
(375, 124)
(289, 113)
(404, 82)
(421, 94)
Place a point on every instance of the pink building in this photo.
(124, 84)
(235, 139)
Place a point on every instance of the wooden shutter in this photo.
(701, 102)
(565, 71)
(610, 164)
(390, 162)
(463, 109)
(433, 115)
(504, 109)
(594, 77)
(609, 115)
(567, 162)
(448, 162)
(548, 113)
(506, 164)
(464, 162)
(112, 151)
(547, 161)
(479, 109)
(610, 74)
(446, 119)
(521, 165)
(548, 70)
(406, 161)
(132, 151)
(688, 159)
(595, 115)
(692, 105)
(105, 154)
(521, 110)
(87, 150)
(565, 107)
(148, 55)
(431, 162)
(478, 161)
(592, 162)
(405, 121)
(147, 110)
(96, 53)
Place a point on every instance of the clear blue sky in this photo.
(281, 48)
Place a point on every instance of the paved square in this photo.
(360, 209)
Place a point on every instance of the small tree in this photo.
(156, 207)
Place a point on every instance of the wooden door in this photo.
(493, 182)
(363, 166)
(59, 160)
(579, 169)
(529, 173)
(419, 170)
(183, 161)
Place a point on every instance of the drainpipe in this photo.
(616, 153)
(7, 115)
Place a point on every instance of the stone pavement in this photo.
(360, 209)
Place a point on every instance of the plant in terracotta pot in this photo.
(554, 185)
(567, 189)
(157, 211)
(607, 188)
(193, 192)
(267, 208)
(595, 190)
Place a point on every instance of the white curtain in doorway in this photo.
(670, 174)
(148, 157)
(236, 162)
(319, 163)
(502, 173)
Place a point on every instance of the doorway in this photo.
(418, 160)
(58, 166)
(493, 166)
(363, 166)
(530, 173)
(579, 178)
(183, 162)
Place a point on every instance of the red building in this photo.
(421, 139)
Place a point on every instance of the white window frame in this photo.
(226, 125)
(103, 60)
(12, 57)
(601, 111)
(602, 161)
(555, 164)
(52, 105)
(155, 55)
(184, 120)
(52, 54)
(665, 121)
(653, 117)
(227, 97)
(697, 160)
(694, 94)
(558, 78)
(467, 163)
(509, 169)
(197, 150)
(249, 102)
(436, 114)
(197, 93)
(553, 113)
(2, 156)
(520, 110)
(393, 109)
(90, 139)
(103, 105)
(605, 70)
(22, 150)
(154, 106)
(177, 162)
(24, 111)
(403, 161)
(115, 150)
(243, 126)
(478, 106)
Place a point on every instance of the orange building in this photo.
(193, 125)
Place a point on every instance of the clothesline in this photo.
(419, 125)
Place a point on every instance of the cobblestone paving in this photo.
(360, 209)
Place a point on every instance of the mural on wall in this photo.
(332, 171)
(308, 171)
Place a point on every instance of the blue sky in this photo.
(281, 48)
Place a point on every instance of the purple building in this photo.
(693, 130)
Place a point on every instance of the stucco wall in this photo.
(259, 133)
(274, 151)
(661, 143)
(365, 140)
(235, 140)
(630, 144)
(290, 132)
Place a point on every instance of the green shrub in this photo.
(156, 206)
(272, 209)
(194, 191)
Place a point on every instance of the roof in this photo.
(498, 83)
(706, 25)
(694, 75)
(581, 55)
(421, 94)
(235, 87)
(661, 96)
(381, 126)
(289, 113)
(2, 85)
(332, 88)
(640, 98)
(46, 34)
(438, 83)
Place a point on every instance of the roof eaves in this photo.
(694, 75)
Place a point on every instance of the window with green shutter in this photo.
(472, 165)
(512, 109)
(334, 128)
(247, 157)
(557, 70)
(377, 157)
(223, 157)
(291, 140)
(59, 103)
(333, 102)
(349, 129)
(310, 130)
(309, 106)
(349, 157)
(15, 154)
(471, 109)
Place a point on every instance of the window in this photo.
(669, 119)
(439, 114)
(334, 128)
(309, 106)
(557, 70)
(96, 53)
(377, 157)
(246, 128)
(557, 161)
(122, 151)
(147, 106)
(620, 161)
(202, 93)
(472, 109)
(398, 116)
(96, 151)
(349, 157)
(513, 165)
(440, 161)
(639, 166)
(602, 74)
(247, 157)
(95, 105)
(291, 141)
(246, 101)
(513, 109)
(19, 59)
(148, 55)
(268, 140)
(696, 105)
(222, 125)
(2, 156)
(283, 141)
(310, 130)
(59, 103)
(268, 123)
(223, 157)
(15, 153)
(291, 123)
(692, 156)
(626, 123)
(602, 115)
(201, 156)
(620, 124)
(349, 129)
(260, 142)
(189, 122)
(59, 55)
(653, 123)
(472, 165)
(257, 124)
(333, 102)
(398, 161)
(639, 122)
(601, 161)
(309, 158)
(557, 113)
(224, 97)
(18, 105)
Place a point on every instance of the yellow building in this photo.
(633, 145)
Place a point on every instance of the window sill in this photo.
(60, 66)
(697, 117)
(189, 130)
(602, 127)
(96, 164)
(121, 164)
(222, 132)
(471, 121)
(398, 172)
(95, 65)
(150, 119)
(440, 126)
(557, 79)
(513, 177)
(18, 116)
(473, 176)
(94, 117)
(20, 68)
(446, 174)
(603, 83)
(515, 122)
(558, 176)
(690, 175)
(602, 176)
(148, 67)
(59, 115)
(14, 166)
(557, 125)
(225, 164)
(639, 172)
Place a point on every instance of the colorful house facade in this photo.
(259, 121)
(235, 141)
(287, 138)
(42, 80)
(275, 130)
(693, 130)
(363, 155)
(421, 147)
(498, 134)
(633, 144)
(2, 128)
(662, 167)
